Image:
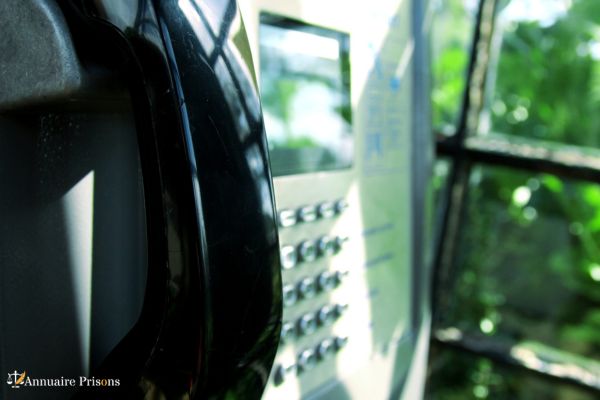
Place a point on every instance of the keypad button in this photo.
(340, 342)
(340, 241)
(326, 209)
(340, 309)
(307, 251)
(287, 218)
(281, 371)
(340, 276)
(307, 213)
(279, 375)
(307, 288)
(288, 332)
(289, 257)
(327, 246)
(325, 348)
(326, 315)
(307, 324)
(290, 296)
(326, 281)
(341, 205)
(307, 360)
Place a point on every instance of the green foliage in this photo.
(300, 142)
(449, 71)
(548, 78)
(277, 96)
(527, 265)
(451, 33)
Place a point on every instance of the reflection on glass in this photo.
(439, 181)
(528, 261)
(452, 30)
(306, 96)
(544, 81)
(457, 375)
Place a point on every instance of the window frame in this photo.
(464, 150)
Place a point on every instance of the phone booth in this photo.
(206, 199)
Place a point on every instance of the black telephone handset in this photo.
(210, 321)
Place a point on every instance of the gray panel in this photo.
(72, 242)
(37, 59)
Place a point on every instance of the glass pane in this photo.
(441, 176)
(544, 80)
(441, 173)
(451, 31)
(457, 375)
(305, 80)
(528, 261)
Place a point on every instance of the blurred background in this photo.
(516, 99)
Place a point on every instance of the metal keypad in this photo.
(310, 250)
(309, 287)
(308, 323)
(289, 217)
(309, 358)
(308, 253)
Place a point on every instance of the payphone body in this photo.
(341, 92)
(351, 203)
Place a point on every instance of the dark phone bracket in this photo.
(159, 102)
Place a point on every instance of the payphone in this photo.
(340, 90)
(137, 190)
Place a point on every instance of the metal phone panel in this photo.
(375, 330)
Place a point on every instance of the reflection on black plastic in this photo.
(211, 318)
